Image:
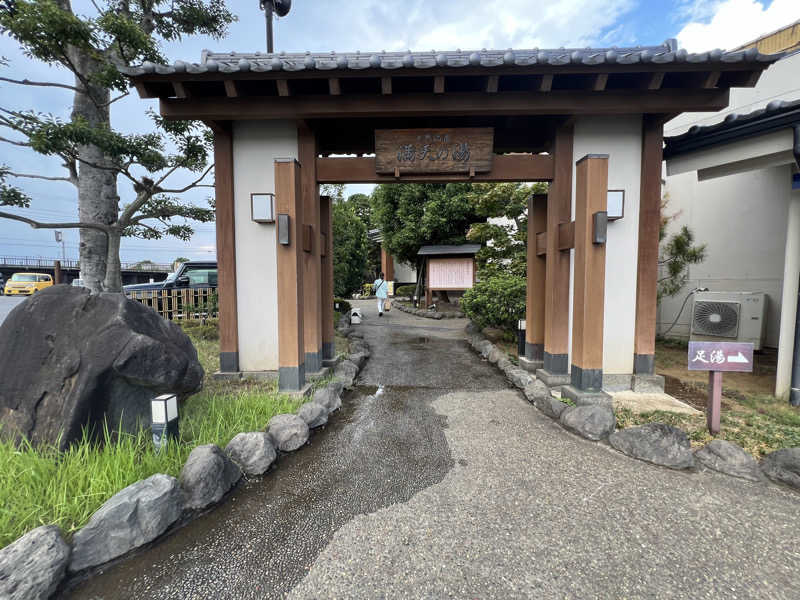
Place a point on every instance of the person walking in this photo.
(381, 289)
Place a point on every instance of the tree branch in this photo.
(195, 183)
(15, 143)
(38, 225)
(34, 176)
(41, 83)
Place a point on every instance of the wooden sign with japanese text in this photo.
(420, 151)
(720, 356)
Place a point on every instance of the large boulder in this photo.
(207, 475)
(783, 466)
(252, 451)
(132, 517)
(329, 397)
(592, 422)
(552, 407)
(536, 389)
(69, 358)
(519, 377)
(346, 371)
(314, 414)
(32, 566)
(657, 443)
(728, 458)
(288, 432)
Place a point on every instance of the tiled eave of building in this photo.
(639, 70)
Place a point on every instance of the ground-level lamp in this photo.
(521, 337)
(165, 419)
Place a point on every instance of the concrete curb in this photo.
(427, 314)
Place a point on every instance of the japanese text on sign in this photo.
(434, 150)
(720, 356)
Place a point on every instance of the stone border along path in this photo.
(35, 565)
(655, 443)
(427, 314)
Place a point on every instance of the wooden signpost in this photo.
(717, 357)
(465, 150)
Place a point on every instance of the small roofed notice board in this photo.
(451, 273)
(720, 356)
(420, 151)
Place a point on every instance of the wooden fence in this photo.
(184, 304)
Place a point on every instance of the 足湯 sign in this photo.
(720, 356)
(419, 151)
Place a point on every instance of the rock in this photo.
(471, 328)
(288, 432)
(494, 355)
(32, 566)
(207, 475)
(358, 359)
(346, 371)
(657, 443)
(253, 452)
(356, 335)
(85, 356)
(592, 422)
(329, 397)
(504, 364)
(313, 414)
(728, 458)
(552, 407)
(519, 377)
(437, 316)
(536, 389)
(783, 466)
(484, 347)
(130, 518)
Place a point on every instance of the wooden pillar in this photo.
(536, 281)
(387, 265)
(428, 293)
(226, 249)
(326, 245)
(289, 204)
(559, 210)
(647, 265)
(57, 275)
(312, 279)
(591, 192)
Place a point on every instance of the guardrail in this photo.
(180, 305)
(49, 263)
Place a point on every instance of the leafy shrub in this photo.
(405, 290)
(344, 305)
(366, 289)
(499, 301)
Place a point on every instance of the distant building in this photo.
(732, 177)
(449, 270)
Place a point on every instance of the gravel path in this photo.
(448, 484)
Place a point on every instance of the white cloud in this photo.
(736, 22)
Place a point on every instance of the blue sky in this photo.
(322, 25)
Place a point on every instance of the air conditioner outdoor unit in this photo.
(729, 316)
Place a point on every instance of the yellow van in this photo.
(27, 283)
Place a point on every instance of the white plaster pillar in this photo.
(791, 276)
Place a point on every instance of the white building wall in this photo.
(256, 144)
(621, 139)
(742, 220)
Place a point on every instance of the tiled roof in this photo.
(777, 114)
(233, 62)
(468, 249)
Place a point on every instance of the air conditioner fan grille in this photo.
(719, 319)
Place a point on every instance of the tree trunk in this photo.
(98, 201)
(113, 280)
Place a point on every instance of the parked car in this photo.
(77, 282)
(2, 284)
(193, 274)
(197, 282)
(27, 284)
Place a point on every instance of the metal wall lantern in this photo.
(164, 410)
(615, 204)
(262, 208)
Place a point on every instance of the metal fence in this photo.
(180, 305)
(49, 263)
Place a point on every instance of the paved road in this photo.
(7, 303)
(449, 484)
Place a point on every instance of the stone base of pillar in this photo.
(530, 365)
(552, 379)
(228, 362)
(328, 351)
(291, 379)
(313, 362)
(648, 384)
(643, 364)
(584, 398)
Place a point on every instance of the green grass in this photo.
(759, 424)
(40, 486)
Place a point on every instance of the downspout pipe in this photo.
(794, 392)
